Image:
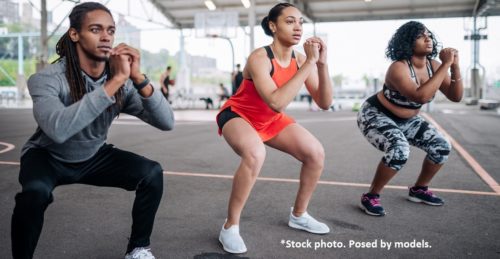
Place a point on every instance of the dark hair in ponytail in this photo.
(66, 48)
(273, 15)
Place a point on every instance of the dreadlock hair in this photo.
(66, 48)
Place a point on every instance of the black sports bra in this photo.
(396, 98)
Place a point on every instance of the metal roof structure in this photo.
(181, 13)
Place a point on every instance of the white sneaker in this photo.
(231, 240)
(307, 223)
(140, 253)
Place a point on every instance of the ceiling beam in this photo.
(166, 13)
(304, 7)
(181, 12)
(483, 6)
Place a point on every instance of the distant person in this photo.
(74, 103)
(223, 94)
(390, 119)
(255, 117)
(309, 102)
(209, 103)
(166, 81)
(237, 78)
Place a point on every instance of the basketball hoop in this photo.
(222, 24)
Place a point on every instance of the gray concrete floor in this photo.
(90, 222)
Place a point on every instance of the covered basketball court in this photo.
(218, 18)
(90, 222)
(209, 16)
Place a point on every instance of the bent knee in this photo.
(153, 175)
(397, 156)
(34, 194)
(439, 152)
(255, 155)
(254, 158)
(314, 156)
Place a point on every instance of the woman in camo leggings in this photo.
(389, 120)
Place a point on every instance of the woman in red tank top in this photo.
(254, 117)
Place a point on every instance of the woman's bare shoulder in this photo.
(257, 54)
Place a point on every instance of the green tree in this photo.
(338, 80)
(8, 46)
(367, 79)
(9, 54)
(10, 66)
(153, 64)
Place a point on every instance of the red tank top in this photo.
(251, 107)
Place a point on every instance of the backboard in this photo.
(216, 23)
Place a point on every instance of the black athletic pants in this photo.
(40, 173)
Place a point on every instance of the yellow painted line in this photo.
(483, 174)
(287, 180)
(8, 148)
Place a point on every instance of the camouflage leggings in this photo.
(394, 136)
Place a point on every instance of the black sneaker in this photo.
(370, 204)
(422, 194)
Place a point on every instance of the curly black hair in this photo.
(403, 41)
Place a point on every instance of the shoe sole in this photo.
(296, 226)
(418, 200)
(229, 250)
(369, 212)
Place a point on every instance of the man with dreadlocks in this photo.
(74, 102)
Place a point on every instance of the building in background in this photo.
(28, 20)
(128, 33)
(200, 65)
(9, 13)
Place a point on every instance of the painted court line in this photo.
(129, 120)
(288, 180)
(9, 163)
(472, 162)
(141, 123)
(8, 148)
(327, 119)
